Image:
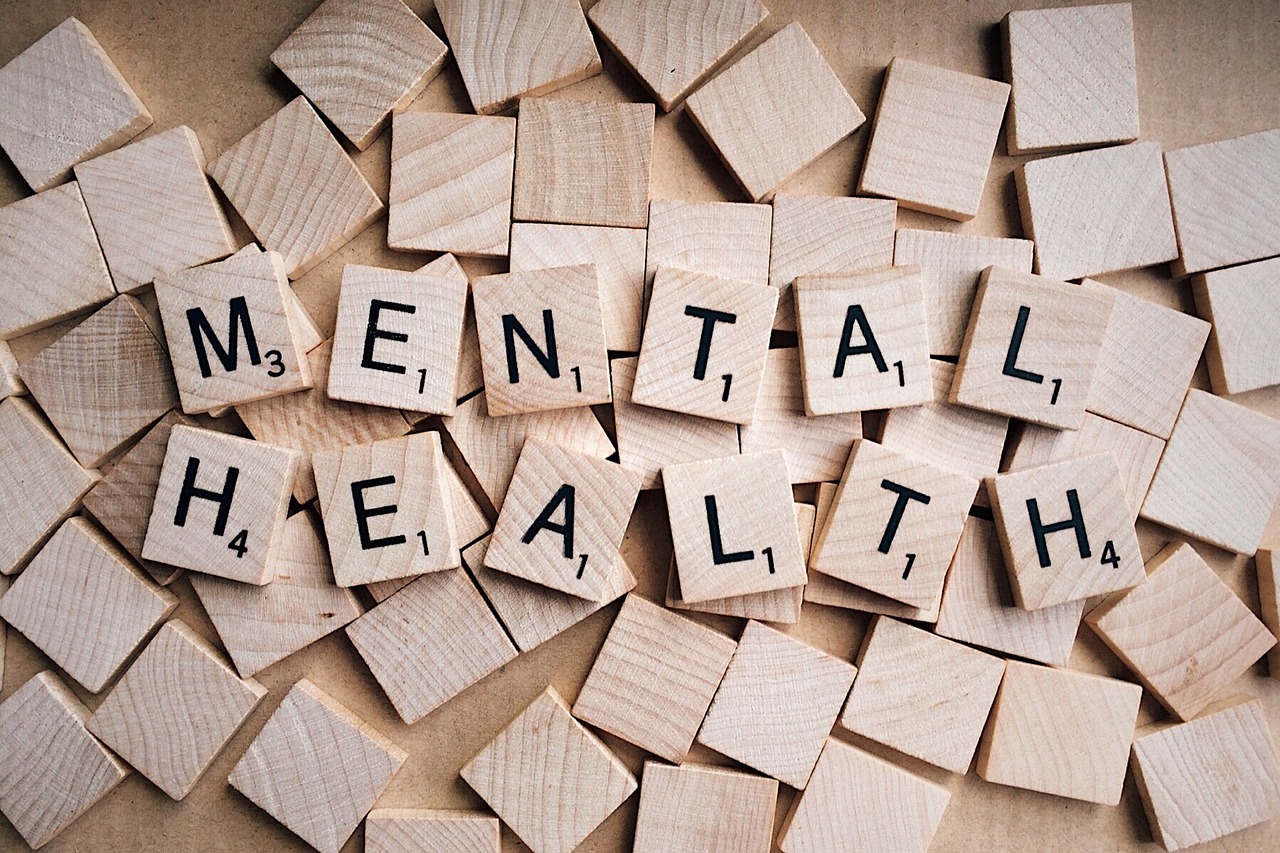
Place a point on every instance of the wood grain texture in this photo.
(702, 809)
(4, 587)
(1269, 603)
(11, 384)
(719, 238)
(430, 831)
(1243, 305)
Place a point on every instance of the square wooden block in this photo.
(705, 344)
(775, 111)
(830, 814)
(702, 809)
(653, 679)
(1219, 477)
(451, 179)
(732, 526)
(1243, 304)
(1075, 77)
(563, 519)
(833, 592)
(934, 135)
(720, 238)
(431, 831)
(52, 769)
(1031, 349)
(65, 101)
(1060, 732)
(861, 341)
(895, 524)
(776, 705)
(85, 604)
(508, 50)
(220, 505)
(311, 736)
(549, 779)
(1226, 201)
(359, 61)
(542, 340)
(296, 188)
(153, 209)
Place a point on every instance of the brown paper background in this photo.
(1208, 69)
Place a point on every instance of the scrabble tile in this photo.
(703, 809)
(50, 256)
(153, 209)
(921, 694)
(1074, 75)
(830, 814)
(933, 139)
(470, 522)
(583, 162)
(296, 188)
(65, 101)
(103, 382)
(1060, 732)
(397, 339)
(1226, 201)
(861, 345)
(776, 704)
(220, 504)
(563, 519)
(548, 778)
(451, 178)
(542, 340)
(358, 62)
(618, 255)
(40, 483)
(732, 526)
(774, 111)
(833, 592)
(11, 384)
(1269, 600)
(719, 238)
(653, 679)
(1210, 777)
(507, 50)
(430, 831)
(51, 769)
(673, 47)
(1031, 349)
(387, 509)
(1219, 476)
(951, 265)
(817, 235)
(1243, 304)
(311, 736)
(85, 604)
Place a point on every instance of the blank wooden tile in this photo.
(40, 483)
(65, 101)
(1243, 304)
(1226, 201)
(934, 135)
(951, 265)
(1074, 75)
(1269, 601)
(861, 341)
(776, 704)
(209, 519)
(542, 340)
(451, 179)
(11, 384)
(296, 188)
(832, 814)
(360, 61)
(732, 526)
(921, 694)
(1031, 348)
(702, 809)
(509, 50)
(1210, 777)
(430, 831)
(1219, 476)
(653, 679)
(51, 769)
(311, 736)
(774, 111)
(549, 779)
(85, 604)
(720, 238)
(153, 209)
(583, 162)
(50, 256)
(1060, 732)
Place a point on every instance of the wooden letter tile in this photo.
(720, 238)
(703, 809)
(1269, 599)
(431, 831)
(1243, 304)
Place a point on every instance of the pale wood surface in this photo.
(1243, 305)
(11, 384)
(701, 809)
(719, 238)
(4, 587)
(430, 831)
(1269, 604)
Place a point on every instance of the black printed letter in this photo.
(373, 334)
(718, 556)
(564, 495)
(1076, 522)
(364, 513)
(222, 499)
(709, 319)
(201, 330)
(549, 359)
(905, 495)
(1015, 345)
(856, 316)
